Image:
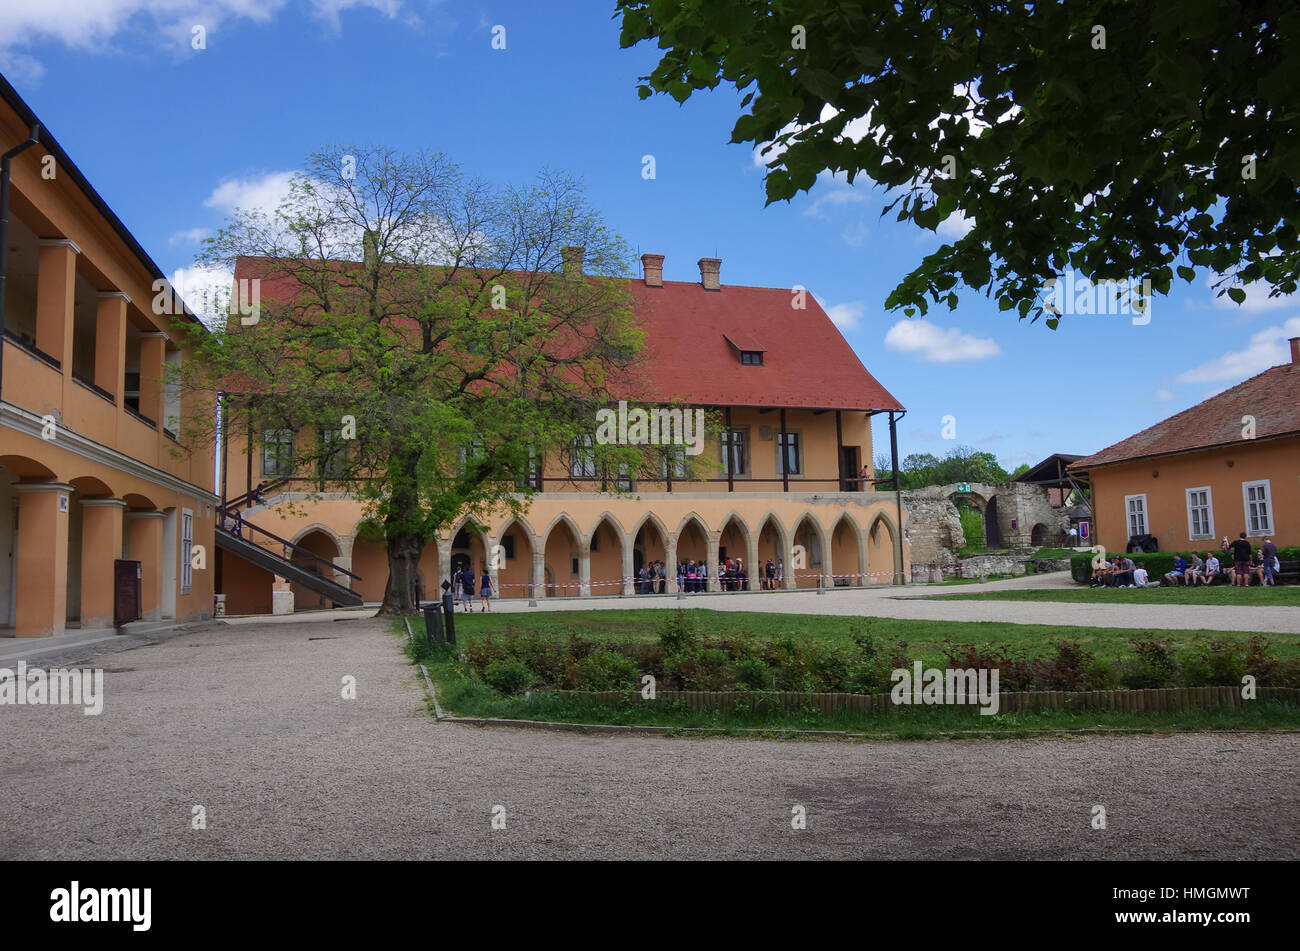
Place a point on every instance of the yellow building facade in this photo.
(92, 472)
(794, 485)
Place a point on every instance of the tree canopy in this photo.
(427, 337)
(1123, 141)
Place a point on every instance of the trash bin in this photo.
(433, 622)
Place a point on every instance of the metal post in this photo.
(731, 468)
(898, 490)
(780, 454)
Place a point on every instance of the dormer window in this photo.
(746, 351)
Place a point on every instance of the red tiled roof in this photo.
(807, 363)
(1272, 397)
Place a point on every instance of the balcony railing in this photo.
(27, 343)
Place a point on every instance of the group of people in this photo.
(1260, 566)
(693, 576)
(463, 581)
(1263, 568)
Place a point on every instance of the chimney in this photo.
(572, 259)
(1295, 349)
(370, 249)
(653, 267)
(709, 268)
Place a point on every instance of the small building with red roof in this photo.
(1228, 465)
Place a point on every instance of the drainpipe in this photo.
(4, 226)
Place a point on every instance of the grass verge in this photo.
(1277, 596)
(462, 693)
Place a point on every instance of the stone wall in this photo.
(932, 525)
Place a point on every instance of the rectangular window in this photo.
(1259, 507)
(1136, 507)
(277, 453)
(751, 358)
(1200, 513)
(672, 462)
(733, 446)
(531, 477)
(333, 454)
(582, 458)
(470, 455)
(187, 551)
(787, 454)
(508, 547)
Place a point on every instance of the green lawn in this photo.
(463, 694)
(923, 638)
(1283, 595)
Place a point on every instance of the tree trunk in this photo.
(403, 542)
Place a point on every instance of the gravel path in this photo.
(248, 722)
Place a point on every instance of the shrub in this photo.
(972, 528)
(508, 676)
(1153, 667)
(608, 670)
(677, 632)
(1218, 663)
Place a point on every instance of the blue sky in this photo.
(174, 137)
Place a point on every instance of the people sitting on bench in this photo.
(1178, 574)
(1212, 569)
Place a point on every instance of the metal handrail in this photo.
(288, 545)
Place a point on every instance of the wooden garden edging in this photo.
(1156, 700)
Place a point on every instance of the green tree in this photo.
(1118, 139)
(423, 330)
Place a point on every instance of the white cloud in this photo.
(96, 25)
(263, 193)
(192, 236)
(205, 290)
(834, 198)
(1163, 396)
(1257, 299)
(1268, 348)
(846, 316)
(932, 343)
(955, 226)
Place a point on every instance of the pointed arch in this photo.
(692, 516)
(815, 559)
(884, 550)
(848, 553)
(323, 529)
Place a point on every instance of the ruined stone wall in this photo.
(933, 526)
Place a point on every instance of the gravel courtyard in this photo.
(248, 722)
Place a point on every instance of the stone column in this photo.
(584, 569)
(489, 546)
(712, 582)
(444, 570)
(787, 560)
(42, 570)
(145, 545)
(344, 560)
(628, 583)
(281, 596)
(101, 545)
(539, 570)
(828, 561)
(753, 569)
(670, 563)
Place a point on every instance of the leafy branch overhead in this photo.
(1122, 140)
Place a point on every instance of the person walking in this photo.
(467, 589)
(485, 591)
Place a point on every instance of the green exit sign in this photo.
(963, 486)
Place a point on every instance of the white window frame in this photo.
(1267, 528)
(1128, 516)
(582, 457)
(187, 551)
(1209, 512)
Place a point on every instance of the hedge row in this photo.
(1158, 564)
